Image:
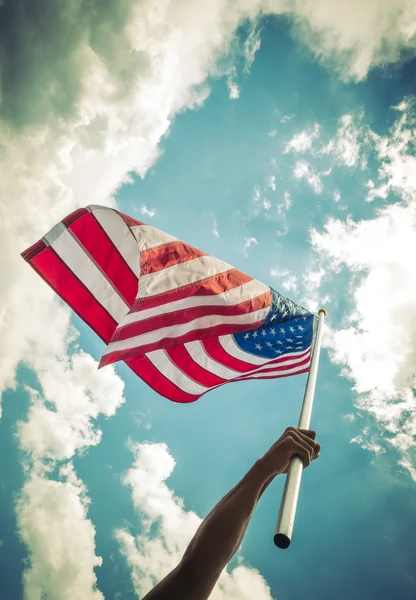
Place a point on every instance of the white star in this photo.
(272, 318)
(246, 336)
(284, 312)
(273, 331)
(263, 333)
(282, 330)
(305, 318)
(299, 337)
(255, 334)
(301, 328)
(279, 351)
(279, 342)
(289, 340)
(292, 329)
(258, 346)
(268, 344)
(289, 347)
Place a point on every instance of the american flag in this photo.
(182, 320)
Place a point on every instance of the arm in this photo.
(220, 534)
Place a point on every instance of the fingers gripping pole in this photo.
(286, 519)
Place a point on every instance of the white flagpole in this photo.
(286, 519)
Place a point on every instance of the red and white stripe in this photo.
(164, 307)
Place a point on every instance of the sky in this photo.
(279, 136)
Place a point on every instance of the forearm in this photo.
(220, 534)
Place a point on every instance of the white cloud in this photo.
(252, 45)
(286, 280)
(272, 133)
(148, 212)
(397, 154)
(376, 348)
(282, 210)
(352, 37)
(74, 393)
(168, 528)
(256, 193)
(271, 183)
(301, 142)
(52, 520)
(337, 195)
(286, 118)
(345, 147)
(248, 242)
(303, 170)
(52, 515)
(233, 89)
(215, 231)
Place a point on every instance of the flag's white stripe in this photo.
(290, 370)
(80, 263)
(231, 347)
(120, 234)
(171, 371)
(181, 274)
(175, 331)
(199, 355)
(163, 363)
(239, 294)
(150, 237)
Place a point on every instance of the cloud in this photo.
(215, 231)
(60, 418)
(271, 183)
(52, 515)
(303, 170)
(397, 155)
(168, 528)
(352, 37)
(248, 242)
(286, 280)
(233, 89)
(376, 347)
(148, 212)
(345, 147)
(272, 133)
(286, 118)
(302, 141)
(52, 521)
(252, 44)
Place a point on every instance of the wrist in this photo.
(263, 470)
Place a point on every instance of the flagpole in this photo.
(287, 513)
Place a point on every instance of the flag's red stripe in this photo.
(190, 314)
(217, 353)
(73, 216)
(29, 253)
(129, 220)
(276, 376)
(268, 368)
(158, 382)
(160, 257)
(106, 255)
(182, 359)
(211, 286)
(56, 273)
(191, 336)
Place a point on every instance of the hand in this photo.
(300, 442)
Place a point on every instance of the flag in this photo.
(182, 320)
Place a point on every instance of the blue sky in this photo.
(307, 182)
